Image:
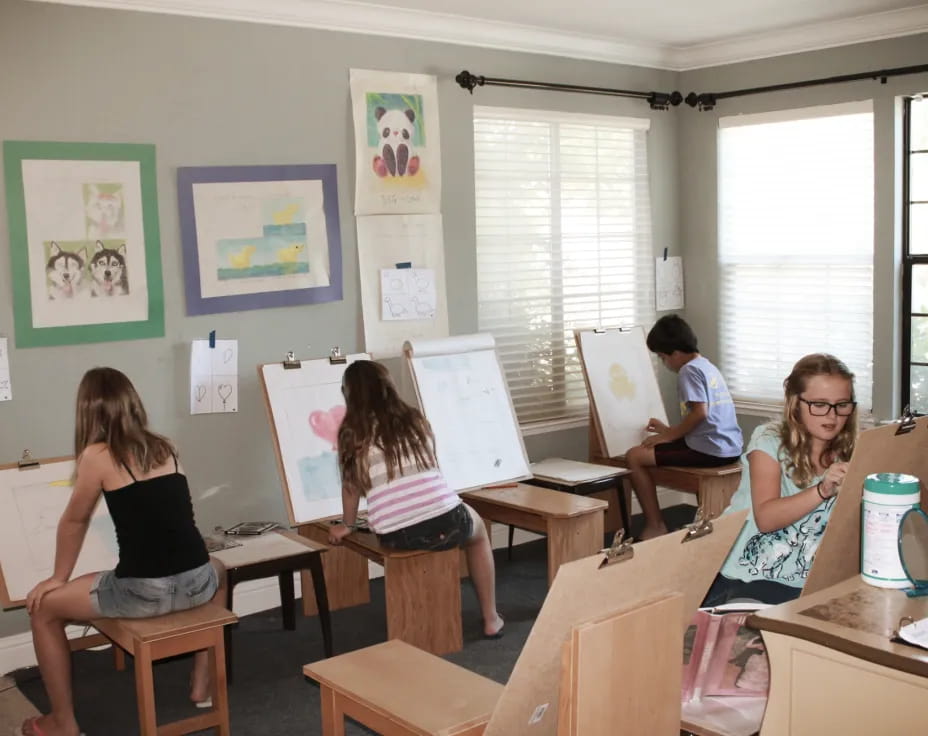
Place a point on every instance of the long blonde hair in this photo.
(376, 416)
(109, 410)
(795, 440)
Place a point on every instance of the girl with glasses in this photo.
(792, 471)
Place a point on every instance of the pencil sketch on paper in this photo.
(408, 293)
(31, 504)
(668, 278)
(213, 376)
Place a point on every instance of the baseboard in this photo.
(254, 596)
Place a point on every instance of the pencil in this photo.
(502, 485)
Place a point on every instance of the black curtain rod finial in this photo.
(468, 81)
(705, 101)
(663, 100)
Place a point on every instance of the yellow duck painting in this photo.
(285, 216)
(242, 259)
(290, 254)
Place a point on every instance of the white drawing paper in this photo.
(622, 383)
(31, 504)
(668, 282)
(384, 241)
(6, 383)
(463, 394)
(86, 242)
(407, 293)
(307, 408)
(260, 236)
(213, 377)
(397, 144)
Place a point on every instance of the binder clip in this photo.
(620, 550)
(906, 422)
(27, 461)
(291, 362)
(699, 528)
(336, 357)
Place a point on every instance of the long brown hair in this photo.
(376, 416)
(795, 439)
(109, 410)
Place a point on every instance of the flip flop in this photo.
(208, 703)
(497, 635)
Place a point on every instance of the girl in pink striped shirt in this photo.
(386, 453)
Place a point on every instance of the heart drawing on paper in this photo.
(325, 424)
(201, 392)
(225, 390)
(227, 355)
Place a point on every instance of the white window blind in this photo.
(795, 245)
(563, 241)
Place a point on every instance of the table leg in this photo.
(227, 630)
(624, 489)
(285, 583)
(322, 602)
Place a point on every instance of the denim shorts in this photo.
(446, 531)
(114, 597)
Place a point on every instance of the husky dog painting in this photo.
(64, 272)
(103, 211)
(108, 273)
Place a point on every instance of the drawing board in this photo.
(305, 409)
(583, 591)
(31, 503)
(622, 386)
(878, 450)
(463, 393)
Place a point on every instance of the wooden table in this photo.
(833, 668)
(573, 524)
(279, 553)
(423, 589)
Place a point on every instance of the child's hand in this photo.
(337, 533)
(833, 478)
(656, 425)
(655, 439)
(35, 596)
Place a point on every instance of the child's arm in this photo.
(773, 511)
(350, 501)
(72, 527)
(696, 414)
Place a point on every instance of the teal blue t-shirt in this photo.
(783, 556)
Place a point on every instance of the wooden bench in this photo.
(713, 487)
(151, 639)
(423, 589)
(573, 524)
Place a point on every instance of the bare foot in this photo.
(47, 725)
(492, 628)
(650, 532)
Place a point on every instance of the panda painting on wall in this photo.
(397, 129)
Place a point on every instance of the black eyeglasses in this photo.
(822, 408)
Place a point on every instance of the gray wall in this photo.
(211, 92)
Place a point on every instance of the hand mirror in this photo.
(913, 550)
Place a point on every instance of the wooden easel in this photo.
(604, 652)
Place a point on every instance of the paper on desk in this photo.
(260, 548)
(915, 633)
(572, 471)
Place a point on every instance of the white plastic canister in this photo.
(887, 496)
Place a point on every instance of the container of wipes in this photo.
(887, 496)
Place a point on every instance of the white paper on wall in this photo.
(213, 377)
(407, 293)
(6, 384)
(668, 282)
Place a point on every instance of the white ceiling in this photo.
(667, 34)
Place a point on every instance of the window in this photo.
(563, 242)
(915, 254)
(795, 246)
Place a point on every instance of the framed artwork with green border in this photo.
(85, 247)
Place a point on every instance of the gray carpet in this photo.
(269, 694)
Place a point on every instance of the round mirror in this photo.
(913, 547)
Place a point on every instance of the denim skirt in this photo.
(115, 597)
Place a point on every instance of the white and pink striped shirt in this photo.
(412, 496)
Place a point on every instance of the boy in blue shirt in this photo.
(707, 435)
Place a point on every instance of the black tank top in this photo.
(155, 528)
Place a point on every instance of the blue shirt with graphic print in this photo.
(783, 556)
(718, 434)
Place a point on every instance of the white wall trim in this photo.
(356, 17)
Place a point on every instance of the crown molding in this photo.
(358, 17)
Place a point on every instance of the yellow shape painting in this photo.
(620, 384)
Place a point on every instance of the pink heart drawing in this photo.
(325, 424)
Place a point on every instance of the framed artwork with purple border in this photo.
(259, 236)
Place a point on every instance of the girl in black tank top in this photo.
(163, 563)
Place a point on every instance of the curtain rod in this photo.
(707, 100)
(657, 100)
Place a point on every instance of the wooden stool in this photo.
(397, 689)
(151, 639)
